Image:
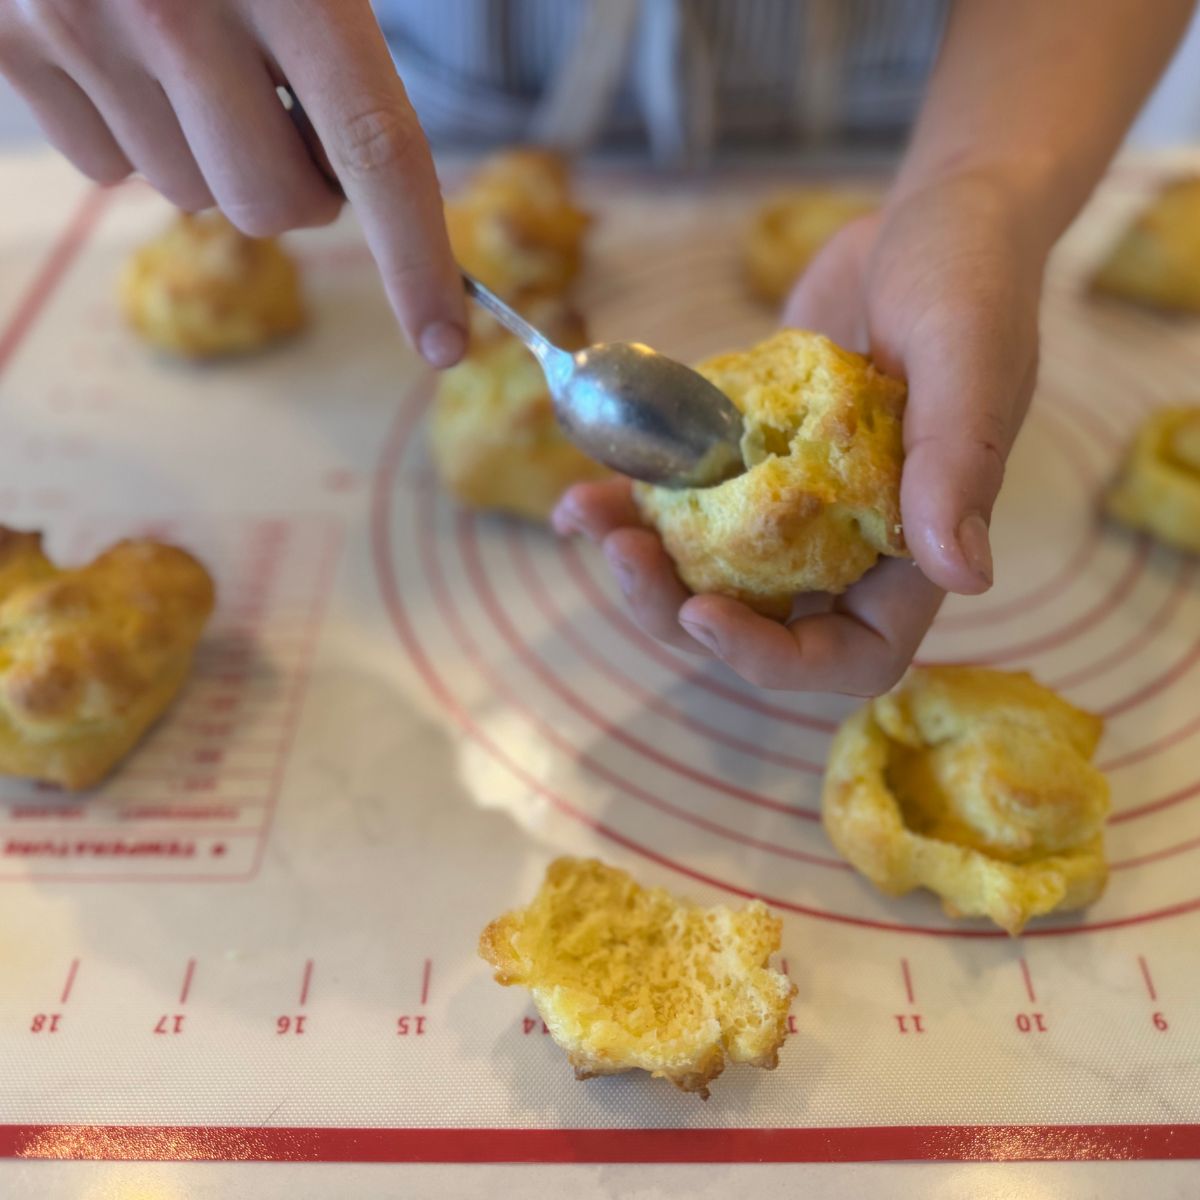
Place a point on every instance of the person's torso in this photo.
(683, 76)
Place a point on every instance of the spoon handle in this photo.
(539, 345)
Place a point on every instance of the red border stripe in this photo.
(883, 1143)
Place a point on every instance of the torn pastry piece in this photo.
(977, 785)
(1156, 260)
(1158, 487)
(515, 226)
(819, 501)
(629, 978)
(90, 657)
(203, 289)
(788, 231)
(496, 442)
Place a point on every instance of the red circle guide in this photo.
(678, 762)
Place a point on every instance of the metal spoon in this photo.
(639, 412)
(634, 410)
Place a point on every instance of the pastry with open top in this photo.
(629, 978)
(819, 500)
(977, 785)
(1158, 488)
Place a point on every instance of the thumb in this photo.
(828, 298)
(966, 399)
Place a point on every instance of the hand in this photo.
(183, 91)
(941, 288)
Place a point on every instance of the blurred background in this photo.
(1171, 117)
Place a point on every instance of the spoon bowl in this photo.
(633, 409)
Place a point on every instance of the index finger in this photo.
(335, 59)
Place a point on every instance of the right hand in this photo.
(942, 289)
(183, 91)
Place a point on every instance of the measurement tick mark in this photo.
(271, 1115)
(1028, 982)
(908, 986)
(307, 980)
(1146, 976)
(70, 982)
(425, 980)
(187, 981)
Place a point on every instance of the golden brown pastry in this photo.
(977, 785)
(90, 657)
(820, 499)
(628, 978)
(789, 229)
(515, 226)
(1156, 261)
(1158, 488)
(202, 289)
(495, 440)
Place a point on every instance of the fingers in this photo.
(273, 184)
(143, 122)
(68, 118)
(652, 590)
(605, 513)
(358, 106)
(859, 644)
(183, 92)
(860, 648)
(968, 390)
(128, 100)
(829, 295)
(596, 509)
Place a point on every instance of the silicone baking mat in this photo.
(257, 941)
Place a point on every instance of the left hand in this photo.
(941, 288)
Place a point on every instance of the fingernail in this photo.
(623, 571)
(565, 519)
(563, 522)
(703, 635)
(442, 344)
(975, 545)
